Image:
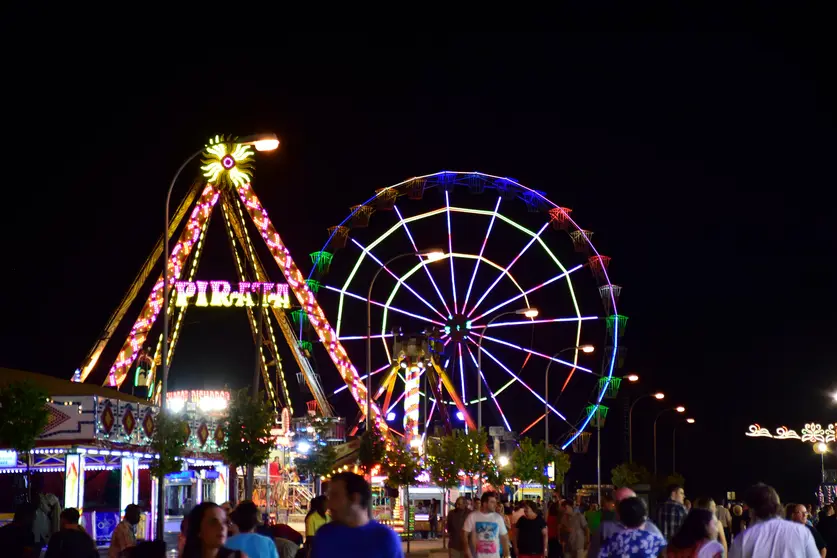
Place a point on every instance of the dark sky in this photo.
(702, 162)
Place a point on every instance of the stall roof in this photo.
(58, 386)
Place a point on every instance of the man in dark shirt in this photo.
(530, 536)
(17, 540)
(455, 523)
(71, 541)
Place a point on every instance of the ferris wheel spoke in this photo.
(558, 277)
(382, 305)
(524, 384)
(532, 322)
(359, 337)
(426, 269)
(462, 374)
(378, 371)
(505, 271)
(536, 353)
(397, 277)
(482, 250)
(450, 251)
(491, 394)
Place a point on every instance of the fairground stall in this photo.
(94, 455)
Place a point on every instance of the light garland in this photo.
(812, 432)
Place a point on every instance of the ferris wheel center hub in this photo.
(457, 327)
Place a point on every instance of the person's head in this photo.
(69, 518)
(764, 502)
(530, 509)
(622, 493)
(206, 529)
(500, 508)
(348, 497)
(246, 516)
(796, 512)
(317, 505)
(676, 493)
(698, 526)
(132, 514)
(706, 503)
(460, 503)
(488, 502)
(567, 506)
(149, 549)
(632, 512)
(594, 507)
(608, 504)
(737, 510)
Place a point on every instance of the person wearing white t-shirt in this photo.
(485, 531)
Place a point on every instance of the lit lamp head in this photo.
(261, 142)
(528, 312)
(433, 255)
(690, 420)
(680, 409)
(589, 349)
(659, 395)
(821, 447)
(632, 378)
(504, 461)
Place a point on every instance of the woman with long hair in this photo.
(696, 537)
(706, 503)
(315, 519)
(206, 533)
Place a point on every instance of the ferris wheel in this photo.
(485, 298)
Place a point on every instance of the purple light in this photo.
(450, 251)
(426, 270)
(482, 249)
(382, 305)
(459, 415)
(228, 162)
(536, 353)
(491, 393)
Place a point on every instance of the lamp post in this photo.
(262, 142)
(432, 256)
(583, 348)
(658, 396)
(674, 442)
(529, 313)
(821, 448)
(679, 409)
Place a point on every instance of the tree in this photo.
(529, 461)
(372, 448)
(629, 474)
(169, 442)
(442, 466)
(319, 461)
(248, 441)
(23, 416)
(401, 469)
(471, 455)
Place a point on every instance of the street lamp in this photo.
(673, 443)
(633, 378)
(821, 448)
(529, 313)
(432, 256)
(659, 395)
(679, 409)
(584, 349)
(262, 142)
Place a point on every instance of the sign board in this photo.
(221, 294)
(8, 458)
(496, 431)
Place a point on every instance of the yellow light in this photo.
(434, 255)
(504, 461)
(266, 144)
(659, 395)
(532, 313)
(690, 420)
(820, 447)
(589, 349)
(680, 409)
(633, 378)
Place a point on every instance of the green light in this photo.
(322, 260)
(313, 285)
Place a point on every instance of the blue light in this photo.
(390, 416)
(303, 447)
(459, 415)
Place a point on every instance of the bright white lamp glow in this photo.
(690, 420)
(390, 416)
(587, 349)
(459, 415)
(632, 377)
(680, 409)
(303, 447)
(504, 461)
(433, 255)
(266, 145)
(528, 312)
(659, 395)
(820, 447)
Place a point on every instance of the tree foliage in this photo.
(372, 448)
(629, 474)
(471, 457)
(319, 461)
(529, 462)
(399, 465)
(443, 461)
(674, 478)
(169, 442)
(23, 415)
(249, 421)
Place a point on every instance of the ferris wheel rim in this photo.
(611, 365)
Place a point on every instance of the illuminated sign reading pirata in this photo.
(220, 293)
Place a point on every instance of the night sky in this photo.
(702, 163)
